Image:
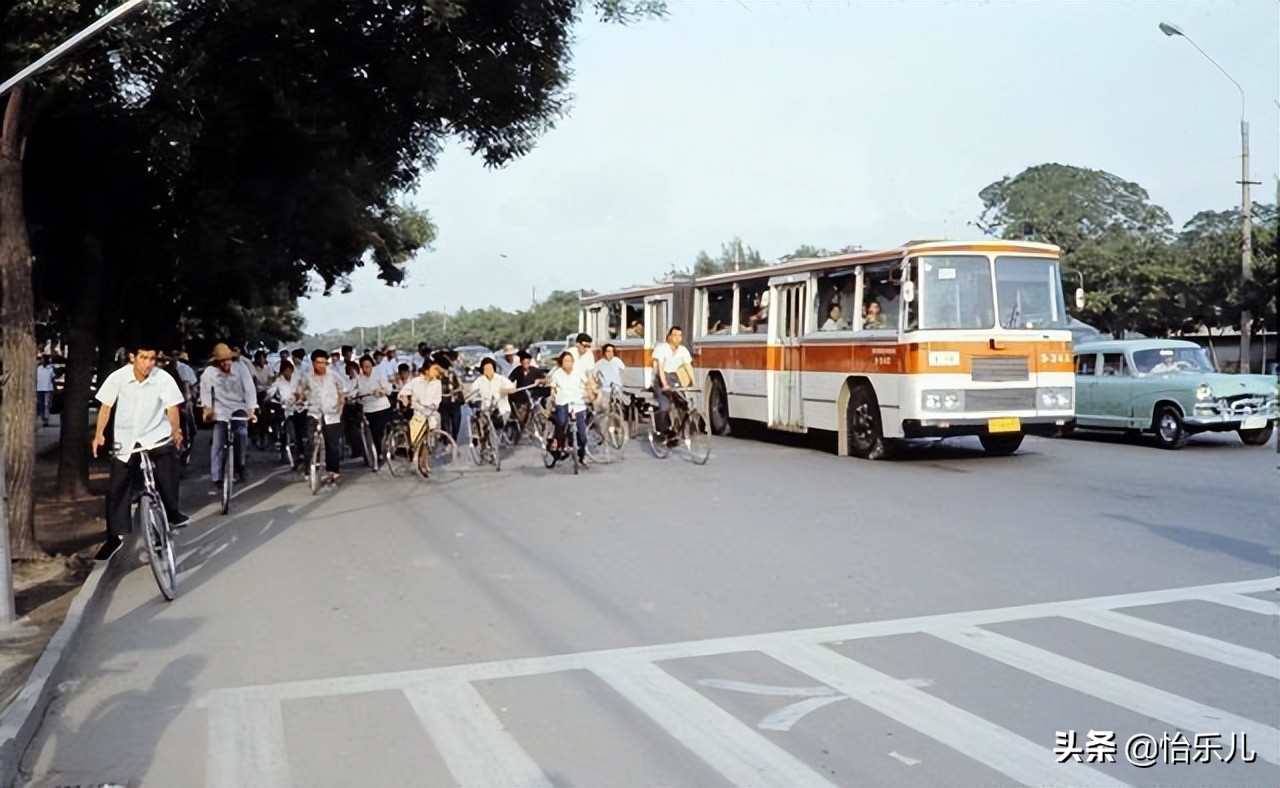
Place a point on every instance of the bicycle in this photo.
(397, 448)
(433, 448)
(228, 459)
(367, 446)
(613, 420)
(151, 524)
(187, 421)
(484, 446)
(689, 427)
(569, 447)
(315, 465)
(527, 418)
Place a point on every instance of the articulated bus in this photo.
(927, 340)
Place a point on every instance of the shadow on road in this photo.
(1205, 541)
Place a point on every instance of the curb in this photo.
(19, 722)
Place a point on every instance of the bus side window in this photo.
(881, 284)
(614, 320)
(838, 290)
(719, 311)
(753, 307)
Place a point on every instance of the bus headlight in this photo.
(942, 399)
(1055, 397)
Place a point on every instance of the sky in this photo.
(834, 123)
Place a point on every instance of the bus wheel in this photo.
(719, 409)
(1001, 444)
(866, 438)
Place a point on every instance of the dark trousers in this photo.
(121, 484)
(560, 416)
(332, 447)
(451, 418)
(662, 416)
(378, 422)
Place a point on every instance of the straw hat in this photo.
(221, 352)
(509, 350)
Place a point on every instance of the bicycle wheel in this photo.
(477, 442)
(615, 429)
(316, 465)
(495, 447)
(155, 530)
(228, 474)
(289, 446)
(397, 450)
(658, 444)
(698, 437)
(444, 449)
(366, 443)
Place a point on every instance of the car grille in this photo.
(999, 399)
(1250, 404)
(992, 369)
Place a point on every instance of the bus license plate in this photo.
(1011, 424)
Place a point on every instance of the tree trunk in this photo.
(17, 321)
(82, 336)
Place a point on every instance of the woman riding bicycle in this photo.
(491, 390)
(571, 392)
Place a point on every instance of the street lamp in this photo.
(1246, 204)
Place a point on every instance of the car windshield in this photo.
(1164, 360)
(1029, 292)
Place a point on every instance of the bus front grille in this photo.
(977, 400)
(994, 369)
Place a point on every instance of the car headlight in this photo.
(1204, 392)
(1055, 397)
(942, 399)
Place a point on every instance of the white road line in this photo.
(1241, 602)
(470, 738)
(1118, 690)
(987, 743)
(531, 666)
(246, 743)
(1180, 640)
(725, 743)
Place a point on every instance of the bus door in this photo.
(657, 319)
(788, 313)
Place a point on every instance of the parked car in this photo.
(544, 353)
(1169, 387)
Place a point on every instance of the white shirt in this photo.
(139, 408)
(286, 391)
(185, 373)
(375, 390)
(322, 394)
(583, 363)
(425, 394)
(386, 370)
(262, 376)
(610, 370)
(227, 392)
(44, 377)
(505, 367)
(671, 360)
(494, 392)
(570, 389)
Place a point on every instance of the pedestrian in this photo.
(323, 391)
(508, 361)
(375, 399)
(145, 403)
(45, 374)
(452, 393)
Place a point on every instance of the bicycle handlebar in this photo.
(115, 450)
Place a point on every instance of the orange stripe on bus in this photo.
(910, 358)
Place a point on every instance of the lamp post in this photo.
(1246, 204)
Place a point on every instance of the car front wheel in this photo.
(1168, 426)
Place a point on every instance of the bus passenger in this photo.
(872, 318)
(834, 322)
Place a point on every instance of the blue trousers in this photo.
(217, 451)
(560, 416)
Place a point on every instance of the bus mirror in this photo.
(1079, 298)
(908, 291)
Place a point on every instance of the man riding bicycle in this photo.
(325, 395)
(145, 401)
(227, 394)
(672, 368)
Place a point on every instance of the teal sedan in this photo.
(1169, 387)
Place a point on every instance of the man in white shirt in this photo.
(227, 390)
(670, 360)
(145, 402)
(325, 395)
(507, 361)
(45, 375)
(584, 358)
(388, 367)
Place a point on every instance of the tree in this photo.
(240, 148)
(733, 255)
(1210, 240)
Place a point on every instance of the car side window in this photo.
(1113, 364)
(1087, 364)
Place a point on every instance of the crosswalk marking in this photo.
(247, 742)
(1247, 603)
(969, 734)
(1150, 701)
(1181, 640)
(725, 743)
(469, 736)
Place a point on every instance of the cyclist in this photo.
(145, 401)
(285, 391)
(374, 391)
(584, 358)
(571, 392)
(490, 389)
(424, 394)
(226, 389)
(608, 373)
(671, 360)
(524, 376)
(323, 391)
(452, 392)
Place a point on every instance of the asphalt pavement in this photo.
(779, 616)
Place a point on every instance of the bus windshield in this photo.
(954, 292)
(1029, 293)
